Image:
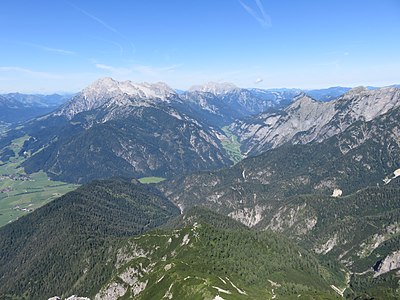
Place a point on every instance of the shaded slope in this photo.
(64, 245)
(149, 142)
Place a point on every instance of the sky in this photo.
(51, 46)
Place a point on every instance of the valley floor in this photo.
(21, 193)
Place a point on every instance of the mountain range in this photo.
(310, 212)
(16, 107)
(123, 129)
(328, 94)
(307, 120)
(116, 128)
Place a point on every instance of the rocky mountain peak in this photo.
(357, 90)
(302, 100)
(364, 91)
(115, 93)
(104, 82)
(216, 88)
(111, 87)
(307, 120)
(367, 103)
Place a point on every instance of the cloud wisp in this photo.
(50, 49)
(93, 17)
(26, 71)
(113, 70)
(258, 14)
(142, 70)
(104, 24)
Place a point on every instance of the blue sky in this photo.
(63, 45)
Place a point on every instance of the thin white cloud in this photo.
(113, 70)
(105, 25)
(93, 17)
(105, 67)
(258, 14)
(29, 72)
(60, 51)
(142, 70)
(49, 49)
(258, 80)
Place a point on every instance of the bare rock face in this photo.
(113, 291)
(73, 297)
(109, 92)
(337, 193)
(391, 262)
(214, 87)
(328, 246)
(307, 120)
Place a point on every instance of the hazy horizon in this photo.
(33, 92)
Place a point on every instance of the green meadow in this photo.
(151, 179)
(232, 146)
(21, 193)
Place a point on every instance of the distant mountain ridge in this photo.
(226, 102)
(16, 107)
(327, 94)
(307, 120)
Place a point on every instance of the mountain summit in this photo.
(216, 88)
(109, 92)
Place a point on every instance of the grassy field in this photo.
(151, 179)
(21, 193)
(232, 146)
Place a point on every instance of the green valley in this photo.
(21, 193)
(232, 145)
